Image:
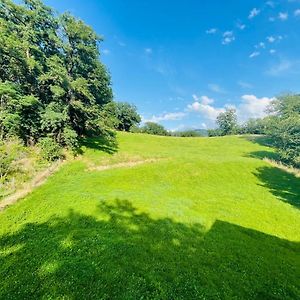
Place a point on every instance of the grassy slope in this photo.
(208, 220)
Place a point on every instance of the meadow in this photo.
(155, 217)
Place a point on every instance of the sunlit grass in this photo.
(202, 217)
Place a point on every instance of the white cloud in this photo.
(297, 12)
(254, 54)
(250, 106)
(253, 13)
(253, 107)
(228, 37)
(245, 85)
(105, 51)
(241, 26)
(166, 117)
(283, 16)
(270, 3)
(211, 31)
(203, 106)
(272, 51)
(216, 88)
(273, 39)
(260, 45)
(148, 51)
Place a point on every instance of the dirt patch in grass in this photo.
(128, 164)
(38, 180)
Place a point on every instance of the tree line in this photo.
(282, 124)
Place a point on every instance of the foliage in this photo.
(227, 121)
(52, 82)
(121, 115)
(214, 132)
(209, 220)
(284, 127)
(50, 149)
(10, 151)
(154, 128)
(188, 133)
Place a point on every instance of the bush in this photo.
(71, 139)
(50, 149)
(214, 132)
(154, 128)
(10, 151)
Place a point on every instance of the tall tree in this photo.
(51, 78)
(227, 121)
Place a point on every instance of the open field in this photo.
(161, 218)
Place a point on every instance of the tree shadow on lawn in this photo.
(132, 256)
(262, 140)
(281, 184)
(106, 144)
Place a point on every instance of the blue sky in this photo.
(183, 62)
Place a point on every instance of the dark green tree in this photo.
(52, 83)
(227, 121)
(154, 128)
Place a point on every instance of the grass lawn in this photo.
(172, 218)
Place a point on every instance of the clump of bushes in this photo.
(11, 150)
(50, 149)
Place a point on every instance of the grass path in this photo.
(204, 218)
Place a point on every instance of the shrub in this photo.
(154, 128)
(10, 151)
(70, 139)
(50, 149)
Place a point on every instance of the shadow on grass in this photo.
(106, 144)
(282, 184)
(132, 256)
(261, 140)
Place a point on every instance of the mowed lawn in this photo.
(161, 218)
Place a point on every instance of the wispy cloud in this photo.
(270, 4)
(211, 31)
(148, 50)
(240, 26)
(282, 67)
(253, 13)
(106, 51)
(173, 116)
(216, 88)
(272, 51)
(297, 12)
(273, 39)
(260, 45)
(228, 37)
(254, 54)
(283, 16)
(244, 84)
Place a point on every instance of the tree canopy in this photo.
(52, 83)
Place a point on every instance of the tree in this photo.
(52, 83)
(154, 128)
(227, 121)
(284, 127)
(121, 115)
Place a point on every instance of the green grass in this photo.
(208, 220)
